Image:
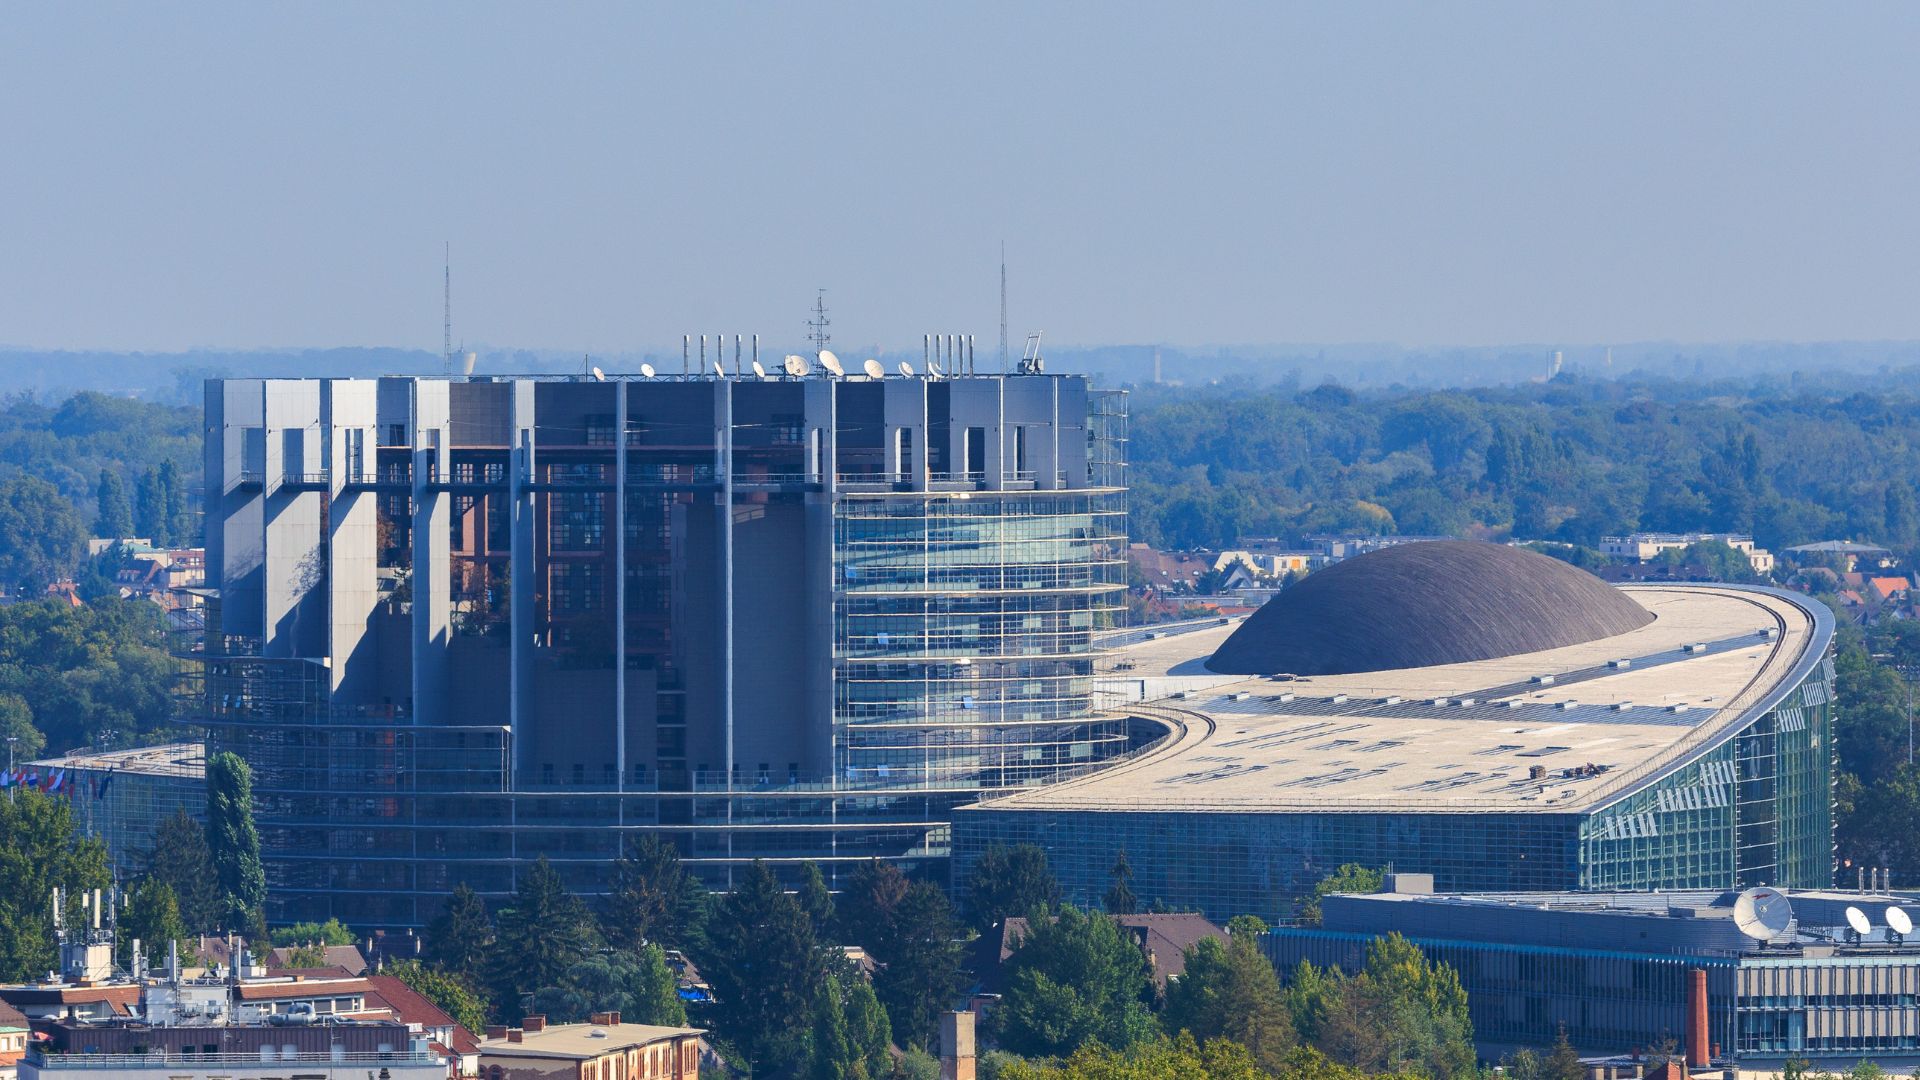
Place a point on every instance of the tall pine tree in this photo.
(113, 518)
(653, 899)
(908, 927)
(180, 860)
(765, 967)
(459, 938)
(541, 935)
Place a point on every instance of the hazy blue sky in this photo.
(612, 176)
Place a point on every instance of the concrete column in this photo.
(349, 415)
(432, 550)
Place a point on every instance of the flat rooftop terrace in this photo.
(1598, 720)
(171, 759)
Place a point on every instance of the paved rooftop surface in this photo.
(172, 759)
(1452, 738)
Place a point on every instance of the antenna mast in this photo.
(817, 326)
(446, 310)
(1003, 307)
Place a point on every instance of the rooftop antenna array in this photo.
(1031, 362)
(1762, 914)
(817, 334)
(874, 370)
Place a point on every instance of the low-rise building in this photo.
(124, 796)
(1624, 973)
(603, 1049)
(14, 1032)
(1644, 546)
(133, 1050)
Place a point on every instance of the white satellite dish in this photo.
(598, 375)
(906, 369)
(758, 371)
(719, 370)
(1762, 914)
(874, 370)
(795, 366)
(1899, 921)
(933, 369)
(831, 362)
(1858, 920)
(646, 371)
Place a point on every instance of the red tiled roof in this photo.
(413, 1007)
(122, 998)
(304, 988)
(11, 1017)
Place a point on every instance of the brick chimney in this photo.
(515, 1035)
(1697, 1019)
(609, 1019)
(496, 1031)
(956, 1046)
(533, 1023)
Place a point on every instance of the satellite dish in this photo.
(758, 371)
(906, 369)
(831, 362)
(598, 375)
(473, 358)
(933, 369)
(874, 370)
(719, 370)
(1762, 914)
(1858, 920)
(795, 366)
(646, 371)
(1899, 921)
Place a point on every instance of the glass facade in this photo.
(791, 619)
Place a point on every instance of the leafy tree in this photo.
(461, 936)
(90, 676)
(1010, 881)
(850, 1037)
(150, 509)
(330, 932)
(1073, 979)
(16, 725)
(151, 916)
(637, 985)
(1177, 1059)
(653, 898)
(181, 861)
(1401, 1013)
(815, 900)
(1351, 878)
(173, 490)
(234, 844)
(1120, 899)
(764, 965)
(1231, 991)
(455, 996)
(40, 849)
(41, 537)
(908, 927)
(114, 517)
(541, 936)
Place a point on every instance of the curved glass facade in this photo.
(963, 629)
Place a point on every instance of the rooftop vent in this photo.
(1543, 680)
(1697, 647)
(1620, 665)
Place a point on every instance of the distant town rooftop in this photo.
(1563, 730)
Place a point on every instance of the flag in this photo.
(54, 780)
(101, 791)
(6, 779)
(33, 779)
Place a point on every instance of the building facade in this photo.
(1621, 973)
(122, 797)
(1694, 751)
(456, 625)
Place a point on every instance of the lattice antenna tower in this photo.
(817, 326)
(446, 309)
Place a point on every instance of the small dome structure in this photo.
(1426, 603)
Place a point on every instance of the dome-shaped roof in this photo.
(1421, 604)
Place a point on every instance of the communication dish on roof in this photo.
(598, 375)
(1762, 913)
(1858, 920)
(933, 369)
(1899, 921)
(831, 362)
(795, 366)
(719, 369)
(758, 371)
(874, 370)
(646, 371)
(906, 369)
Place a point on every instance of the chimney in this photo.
(956, 1046)
(605, 1018)
(515, 1035)
(496, 1031)
(1697, 1019)
(533, 1023)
